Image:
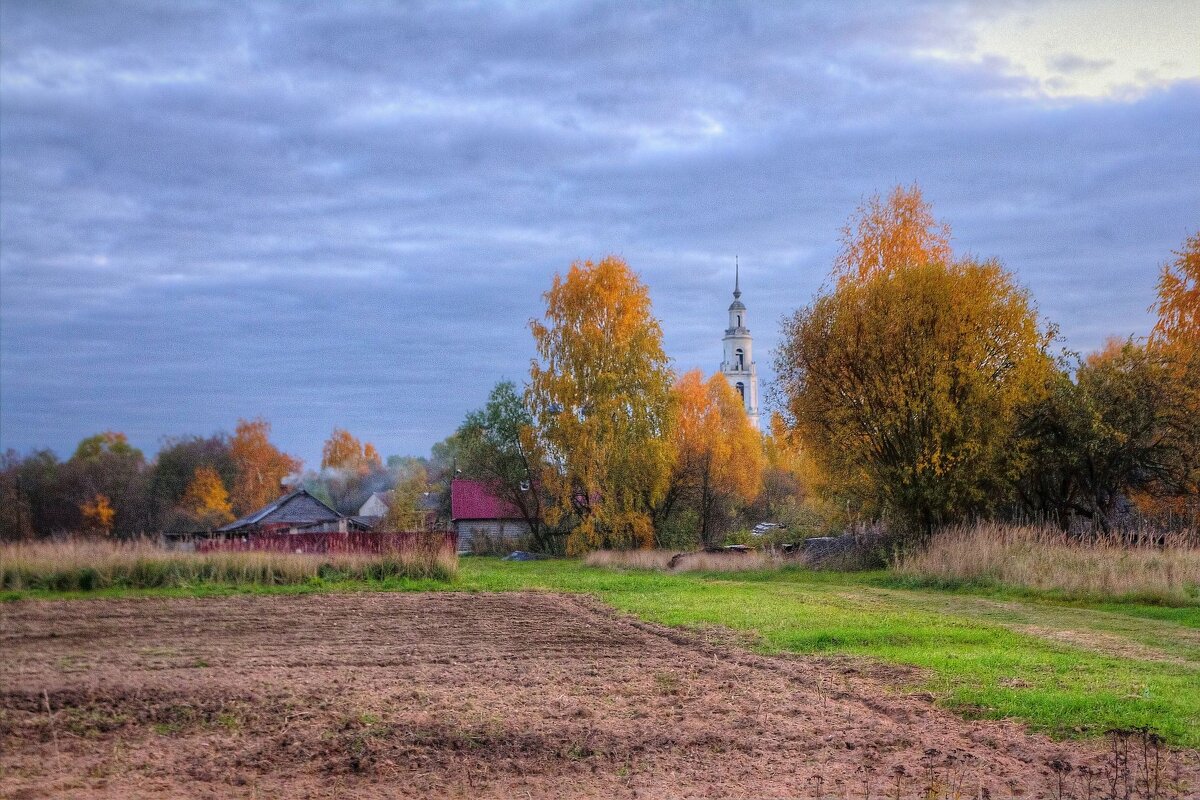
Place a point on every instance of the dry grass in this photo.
(674, 561)
(1152, 567)
(83, 565)
(630, 559)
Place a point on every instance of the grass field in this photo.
(1067, 668)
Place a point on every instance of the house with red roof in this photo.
(482, 518)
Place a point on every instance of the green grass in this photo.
(1065, 668)
(1070, 668)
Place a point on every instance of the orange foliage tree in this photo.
(1176, 339)
(719, 455)
(1178, 305)
(885, 236)
(906, 381)
(601, 398)
(206, 500)
(794, 493)
(344, 452)
(261, 467)
(98, 513)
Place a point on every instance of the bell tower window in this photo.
(739, 359)
(741, 390)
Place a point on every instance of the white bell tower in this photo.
(738, 366)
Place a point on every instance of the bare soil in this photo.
(472, 695)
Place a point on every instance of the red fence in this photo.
(348, 542)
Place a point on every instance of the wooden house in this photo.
(483, 520)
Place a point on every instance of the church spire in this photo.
(739, 367)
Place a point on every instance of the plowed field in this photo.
(470, 695)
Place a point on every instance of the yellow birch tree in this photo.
(206, 500)
(601, 398)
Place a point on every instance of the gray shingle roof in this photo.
(298, 507)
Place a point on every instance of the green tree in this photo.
(108, 482)
(1138, 442)
(108, 443)
(49, 489)
(600, 395)
(494, 444)
(16, 510)
(174, 468)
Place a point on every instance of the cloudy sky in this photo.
(345, 213)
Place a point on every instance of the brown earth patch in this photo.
(469, 695)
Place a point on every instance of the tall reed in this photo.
(86, 565)
(1141, 565)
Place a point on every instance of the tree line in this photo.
(919, 388)
(194, 483)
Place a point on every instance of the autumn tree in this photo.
(174, 469)
(206, 500)
(495, 444)
(107, 466)
(600, 398)
(98, 514)
(718, 454)
(407, 511)
(261, 467)
(350, 471)
(1176, 340)
(371, 457)
(906, 380)
(344, 452)
(885, 236)
(1177, 329)
(794, 491)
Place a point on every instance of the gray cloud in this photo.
(345, 216)
(1071, 62)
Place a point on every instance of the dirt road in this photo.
(468, 695)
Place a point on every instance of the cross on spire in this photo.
(737, 282)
